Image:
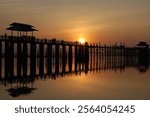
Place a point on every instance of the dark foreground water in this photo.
(102, 80)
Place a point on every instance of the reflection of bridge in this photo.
(24, 59)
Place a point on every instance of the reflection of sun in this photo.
(81, 40)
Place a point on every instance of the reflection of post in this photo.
(32, 58)
(25, 58)
(56, 58)
(70, 58)
(0, 59)
(41, 69)
(49, 59)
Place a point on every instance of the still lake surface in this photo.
(104, 79)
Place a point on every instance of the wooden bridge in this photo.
(24, 58)
(30, 53)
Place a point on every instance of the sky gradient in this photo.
(105, 21)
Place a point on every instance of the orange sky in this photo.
(105, 21)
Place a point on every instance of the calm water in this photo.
(102, 80)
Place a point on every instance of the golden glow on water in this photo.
(96, 84)
(103, 85)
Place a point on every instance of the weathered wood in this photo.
(25, 50)
(41, 64)
(7, 61)
(64, 58)
(11, 60)
(76, 57)
(32, 58)
(70, 58)
(49, 59)
(19, 59)
(56, 58)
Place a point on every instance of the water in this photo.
(105, 78)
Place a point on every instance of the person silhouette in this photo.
(5, 35)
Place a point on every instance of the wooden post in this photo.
(83, 57)
(97, 58)
(32, 58)
(41, 69)
(94, 53)
(19, 58)
(76, 57)
(49, 58)
(70, 58)
(25, 50)
(11, 59)
(56, 58)
(91, 58)
(80, 58)
(64, 58)
(7, 70)
(86, 58)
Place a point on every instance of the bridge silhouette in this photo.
(23, 58)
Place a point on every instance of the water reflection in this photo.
(52, 68)
(39, 61)
(15, 92)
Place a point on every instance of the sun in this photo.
(82, 40)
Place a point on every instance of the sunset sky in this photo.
(105, 21)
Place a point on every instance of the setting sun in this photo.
(82, 40)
